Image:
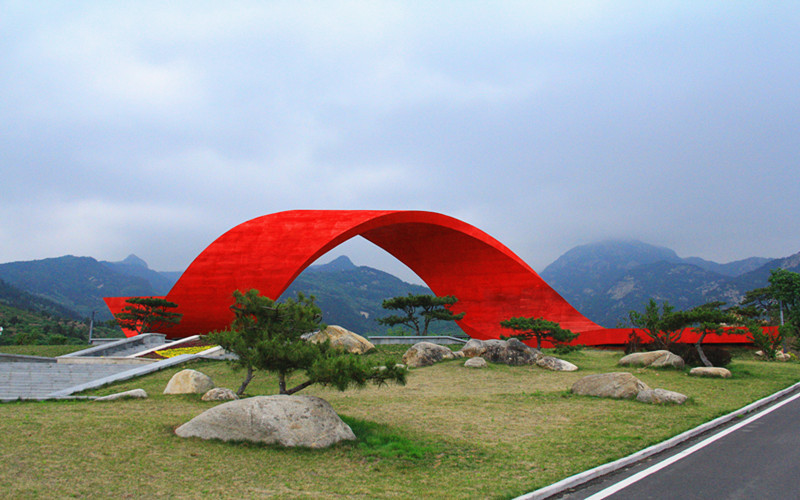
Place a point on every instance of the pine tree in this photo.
(418, 311)
(538, 328)
(266, 335)
(144, 314)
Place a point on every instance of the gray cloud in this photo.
(152, 129)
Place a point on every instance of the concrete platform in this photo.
(37, 380)
(35, 377)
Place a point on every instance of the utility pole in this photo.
(780, 306)
(91, 327)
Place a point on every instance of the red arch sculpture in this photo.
(452, 257)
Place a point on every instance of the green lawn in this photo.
(49, 351)
(452, 432)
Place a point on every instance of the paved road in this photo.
(755, 457)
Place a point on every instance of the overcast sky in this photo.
(152, 127)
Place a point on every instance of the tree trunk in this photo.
(282, 383)
(700, 352)
(246, 381)
(299, 387)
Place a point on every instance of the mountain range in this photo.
(606, 280)
(602, 280)
(80, 283)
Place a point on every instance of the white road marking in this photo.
(600, 495)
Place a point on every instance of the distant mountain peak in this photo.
(610, 256)
(132, 260)
(341, 263)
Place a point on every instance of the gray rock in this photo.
(189, 382)
(619, 385)
(426, 354)
(132, 394)
(473, 348)
(710, 371)
(341, 338)
(476, 362)
(220, 394)
(555, 364)
(655, 359)
(508, 352)
(306, 421)
(661, 396)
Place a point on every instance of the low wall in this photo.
(121, 347)
(434, 339)
(22, 358)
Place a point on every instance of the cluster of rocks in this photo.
(508, 352)
(666, 359)
(309, 421)
(183, 382)
(286, 420)
(623, 385)
(195, 382)
(779, 356)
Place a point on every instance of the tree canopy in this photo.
(144, 314)
(538, 328)
(418, 311)
(785, 287)
(266, 335)
(759, 304)
(771, 305)
(664, 326)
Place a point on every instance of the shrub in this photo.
(716, 355)
(568, 348)
(634, 343)
(57, 339)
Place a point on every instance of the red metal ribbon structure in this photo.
(452, 257)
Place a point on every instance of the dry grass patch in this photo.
(451, 432)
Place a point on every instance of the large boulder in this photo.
(620, 385)
(654, 359)
(341, 338)
(555, 364)
(189, 382)
(426, 354)
(508, 352)
(306, 421)
(710, 371)
(661, 396)
(473, 348)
